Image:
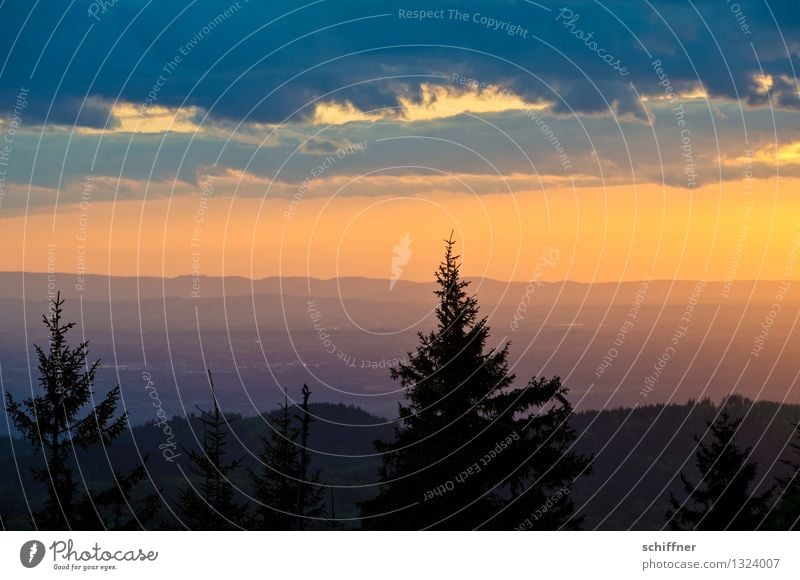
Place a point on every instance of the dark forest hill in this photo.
(638, 455)
(640, 452)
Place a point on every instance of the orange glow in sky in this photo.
(613, 233)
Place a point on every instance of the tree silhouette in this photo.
(274, 488)
(722, 499)
(211, 503)
(472, 450)
(286, 495)
(309, 493)
(111, 507)
(785, 515)
(58, 425)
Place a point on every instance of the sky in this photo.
(629, 139)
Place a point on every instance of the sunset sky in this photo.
(309, 138)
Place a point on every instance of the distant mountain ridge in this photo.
(34, 286)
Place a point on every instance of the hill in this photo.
(638, 455)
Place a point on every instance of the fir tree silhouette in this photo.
(785, 514)
(471, 450)
(286, 495)
(722, 499)
(59, 425)
(211, 503)
(309, 493)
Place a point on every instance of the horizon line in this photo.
(369, 278)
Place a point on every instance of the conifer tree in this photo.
(275, 487)
(115, 507)
(60, 421)
(332, 521)
(210, 504)
(785, 514)
(471, 450)
(722, 499)
(284, 491)
(309, 492)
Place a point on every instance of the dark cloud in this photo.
(236, 66)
